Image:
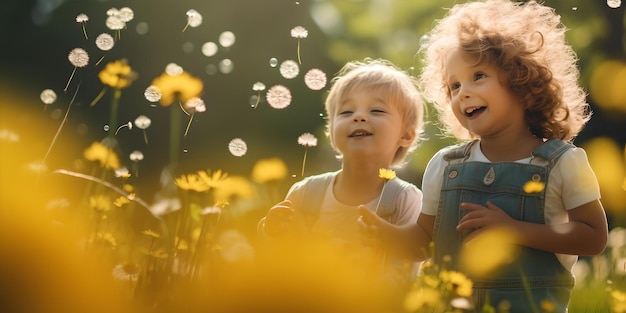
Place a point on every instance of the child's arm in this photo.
(585, 234)
(279, 220)
(408, 241)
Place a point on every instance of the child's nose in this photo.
(360, 116)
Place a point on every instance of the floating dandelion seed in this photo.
(105, 42)
(289, 69)
(194, 105)
(135, 157)
(278, 97)
(173, 69)
(273, 62)
(237, 147)
(143, 122)
(194, 19)
(209, 49)
(126, 14)
(152, 94)
(227, 39)
(226, 66)
(258, 86)
(129, 125)
(614, 4)
(307, 140)
(79, 58)
(83, 18)
(114, 22)
(315, 79)
(387, 175)
(48, 96)
(299, 32)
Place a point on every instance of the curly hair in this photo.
(398, 87)
(526, 41)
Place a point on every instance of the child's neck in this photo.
(507, 150)
(358, 185)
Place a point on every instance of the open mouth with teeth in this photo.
(475, 110)
(360, 133)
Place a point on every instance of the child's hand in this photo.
(370, 226)
(482, 218)
(279, 221)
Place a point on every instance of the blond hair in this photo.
(395, 85)
(526, 41)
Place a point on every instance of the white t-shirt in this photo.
(571, 184)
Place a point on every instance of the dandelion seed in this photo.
(315, 79)
(79, 58)
(289, 69)
(209, 49)
(114, 22)
(299, 32)
(194, 19)
(126, 271)
(129, 125)
(83, 18)
(152, 94)
(122, 172)
(194, 105)
(48, 96)
(105, 42)
(237, 147)
(227, 39)
(387, 175)
(136, 156)
(258, 86)
(278, 97)
(173, 69)
(307, 140)
(273, 62)
(614, 4)
(143, 122)
(126, 14)
(226, 66)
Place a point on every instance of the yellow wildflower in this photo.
(212, 180)
(533, 186)
(457, 282)
(266, 170)
(101, 153)
(191, 182)
(151, 233)
(120, 201)
(181, 86)
(100, 203)
(386, 174)
(117, 74)
(233, 187)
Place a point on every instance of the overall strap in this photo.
(459, 152)
(550, 151)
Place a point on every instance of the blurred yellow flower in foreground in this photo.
(117, 74)
(478, 256)
(270, 169)
(180, 86)
(418, 299)
(233, 187)
(102, 154)
(457, 283)
(532, 186)
(386, 174)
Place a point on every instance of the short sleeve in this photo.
(431, 183)
(576, 179)
(409, 206)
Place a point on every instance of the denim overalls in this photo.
(535, 275)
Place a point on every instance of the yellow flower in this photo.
(422, 298)
(117, 74)
(231, 187)
(100, 203)
(457, 282)
(533, 186)
(266, 170)
(387, 174)
(191, 182)
(151, 233)
(181, 86)
(101, 153)
(120, 201)
(214, 180)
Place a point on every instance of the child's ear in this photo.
(407, 138)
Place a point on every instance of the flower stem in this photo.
(304, 161)
(380, 198)
(117, 93)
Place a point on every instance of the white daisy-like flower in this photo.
(307, 140)
(299, 32)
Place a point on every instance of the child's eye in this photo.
(478, 76)
(455, 86)
(378, 111)
(345, 112)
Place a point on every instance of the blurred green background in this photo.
(38, 35)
